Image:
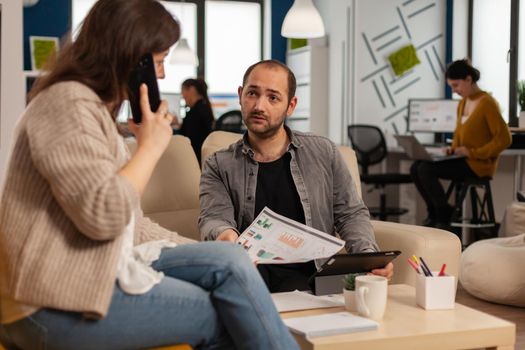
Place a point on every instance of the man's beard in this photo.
(269, 130)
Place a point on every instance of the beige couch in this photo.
(171, 199)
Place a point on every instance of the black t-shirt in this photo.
(276, 190)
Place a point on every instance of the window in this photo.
(521, 45)
(185, 13)
(231, 45)
(226, 35)
(490, 45)
(177, 73)
(79, 9)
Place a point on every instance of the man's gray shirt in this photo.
(327, 192)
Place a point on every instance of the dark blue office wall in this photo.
(279, 10)
(46, 18)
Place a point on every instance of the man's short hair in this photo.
(292, 84)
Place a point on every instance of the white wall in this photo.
(337, 17)
(12, 88)
(381, 97)
(362, 87)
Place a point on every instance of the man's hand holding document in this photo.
(275, 239)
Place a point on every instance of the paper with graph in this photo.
(275, 239)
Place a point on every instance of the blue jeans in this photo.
(211, 297)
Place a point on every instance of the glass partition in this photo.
(490, 45)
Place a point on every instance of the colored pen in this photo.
(413, 265)
(425, 267)
(442, 272)
(415, 259)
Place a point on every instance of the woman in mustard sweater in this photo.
(481, 135)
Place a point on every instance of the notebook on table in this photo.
(329, 324)
(416, 151)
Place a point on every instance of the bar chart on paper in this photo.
(275, 239)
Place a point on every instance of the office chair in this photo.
(230, 121)
(369, 145)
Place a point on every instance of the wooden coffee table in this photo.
(407, 326)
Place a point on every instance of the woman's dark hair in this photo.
(114, 36)
(202, 89)
(461, 69)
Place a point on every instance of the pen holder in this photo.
(435, 293)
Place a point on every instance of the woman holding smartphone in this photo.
(80, 267)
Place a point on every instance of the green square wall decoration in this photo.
(297, 43)
(42, 48)
(403, 59)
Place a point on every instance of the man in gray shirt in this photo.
(299, 175)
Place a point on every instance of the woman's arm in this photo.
(501, 138)
(153, 136)
(73, 144)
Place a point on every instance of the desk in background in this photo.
(506, 182)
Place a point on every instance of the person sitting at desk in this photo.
(298, 175)
(481, 135)
(199, 119)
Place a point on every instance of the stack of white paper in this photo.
(296, 300)
(329, 324)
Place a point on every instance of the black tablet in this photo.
(341, 264)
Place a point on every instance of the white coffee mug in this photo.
(371, 294)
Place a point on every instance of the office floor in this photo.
(509, 313)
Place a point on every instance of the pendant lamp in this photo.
(303, 21)
(182, 54)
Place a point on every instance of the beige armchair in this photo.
(171, 197)
(436, 246)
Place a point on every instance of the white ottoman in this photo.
(493, 270)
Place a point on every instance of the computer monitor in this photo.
(432, 115)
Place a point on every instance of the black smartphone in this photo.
(143, 73)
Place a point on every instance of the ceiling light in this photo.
(183, 54)
(302, 21)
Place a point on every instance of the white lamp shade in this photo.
(182, 54)
(303, 21)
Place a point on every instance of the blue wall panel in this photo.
(46, 18)
(279, 10)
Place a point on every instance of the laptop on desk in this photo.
(416, 151)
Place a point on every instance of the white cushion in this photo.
(493, 270)
(513, 222)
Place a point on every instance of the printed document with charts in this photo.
(275, 239)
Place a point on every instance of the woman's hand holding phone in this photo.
(153, 136)
(154, 133)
